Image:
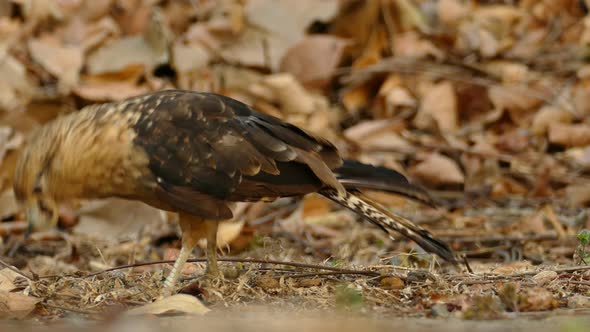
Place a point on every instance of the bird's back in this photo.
(205, 147)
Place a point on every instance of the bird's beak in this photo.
(40, 216)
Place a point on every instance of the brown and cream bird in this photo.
(197, 154)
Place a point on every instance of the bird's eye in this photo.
(37, 189)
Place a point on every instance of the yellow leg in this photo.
(212, 268)
(170, 281)
(193, 229)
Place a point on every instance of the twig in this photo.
(240, 260)
(563, 269)
(332, 273)
(10, 267)
(503, 238)
(466, 263)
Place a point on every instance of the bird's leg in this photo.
(192, 230)
(170, 281)
(212, 268)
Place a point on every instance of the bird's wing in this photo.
(207, 147)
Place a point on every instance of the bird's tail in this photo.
(389, 221)
(356, 175)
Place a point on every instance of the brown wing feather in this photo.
(207, 145)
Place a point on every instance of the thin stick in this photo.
(330, 273)
(240, 260)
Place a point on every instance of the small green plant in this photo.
(348, 298)
(580, 255)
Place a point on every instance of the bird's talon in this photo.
(214, 275)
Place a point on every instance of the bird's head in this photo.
(33, 185)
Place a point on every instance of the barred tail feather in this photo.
(389, 221)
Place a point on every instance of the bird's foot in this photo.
(213, 274)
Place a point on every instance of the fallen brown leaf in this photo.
(290, 94)
(392, 283)
(116, 218)
(175, 304)
(578, 194)
(439, 104)
(536, 299)
(16, 305)
(62, 61)
(547, 116)
(569, 134)
(438, 169)
(7, 278)
(544, 277)
(314, 59)
(274, 27)
(451, 12)
(514, 267)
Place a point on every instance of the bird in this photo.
(197, 154)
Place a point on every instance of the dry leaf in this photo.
(411, 45)
(569, 134)
(581, 98)
(122, 53)
(356, 98)
(578, 194)
(498, 15)
(7, 278)
(514, 267)
(108, 91)
(149, 50)
(544, 277)
(505, 186)
(580, 156)
(274, 27)
(116, 219)
(186, 58)
(267, 283)
(334, 220)
(63, 62)
(451, 12)
(228, 231)
(314, 59)
(355, 20)
(378, 134)
(536, 299)
(547, 116)
(175, 304)
(290, 94)
(396, 95)
(15, 87)
(439, 104)
(112, 86)
(8, 204)
(438, 169)
(411, 16)
(314, 205)
(392, 283)
(36, 11)
(16, 305)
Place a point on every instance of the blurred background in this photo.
(484, 103)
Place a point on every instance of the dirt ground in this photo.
(264, 319)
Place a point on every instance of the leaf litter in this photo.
(485, 104)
